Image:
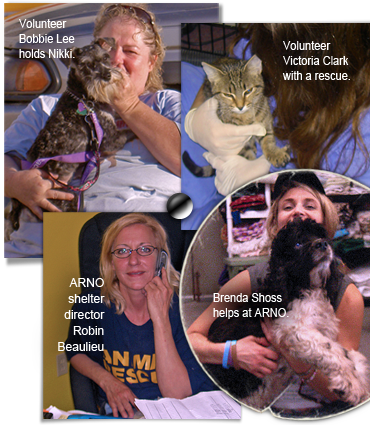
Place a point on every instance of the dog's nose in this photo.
(322, 245)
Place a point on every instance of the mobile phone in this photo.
(161, 262)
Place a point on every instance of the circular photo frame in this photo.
(275, 294)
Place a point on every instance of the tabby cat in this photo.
(238, 87)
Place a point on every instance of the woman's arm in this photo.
(252, 353)
(172, 375)
(159, 134)
(350, 312)
(32, 187)
(120, 397)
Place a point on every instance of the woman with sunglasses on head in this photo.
(146, 354)
(139, 54)
(297, 194)
(139, 177)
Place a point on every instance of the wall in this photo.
(61, 233)
(206, 257)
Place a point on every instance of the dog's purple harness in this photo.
(92, 158)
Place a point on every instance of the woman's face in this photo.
(298, 202)
(131, 53)
(135, 271)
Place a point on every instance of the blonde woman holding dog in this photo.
(297, 194)
(139, 177)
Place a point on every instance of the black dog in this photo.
(303, 279)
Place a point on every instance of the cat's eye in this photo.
(228, 95)
(248, 91)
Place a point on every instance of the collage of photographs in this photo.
(212, 258)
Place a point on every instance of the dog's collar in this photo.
(71, 93)
(84, 107)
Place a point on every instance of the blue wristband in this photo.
(233, 361)
(226, 355)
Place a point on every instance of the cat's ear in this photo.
(212, 72)
(254, 64)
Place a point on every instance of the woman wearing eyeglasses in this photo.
(139, 177)
(146, 354)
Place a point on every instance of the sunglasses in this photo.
(138, 11)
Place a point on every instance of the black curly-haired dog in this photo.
(304, 277)
(70, 129)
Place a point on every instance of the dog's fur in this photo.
(304, 272)
(92, 79)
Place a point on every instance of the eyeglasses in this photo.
(138, 11)
(143, 251)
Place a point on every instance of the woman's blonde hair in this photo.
(150, 31)
(111, 290)
(330, 213)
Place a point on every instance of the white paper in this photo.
(61, 414)
(205, 405)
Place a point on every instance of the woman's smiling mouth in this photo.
(136, 273)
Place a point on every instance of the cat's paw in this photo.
(280, 157)
(250, 154)
(249, 150)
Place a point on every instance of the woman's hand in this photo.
(254, 356)
(235, 171)
(126, 97)
(120, 398)
(159, 134)
(205, 128)
(159, 294)
(33, 188)
(172, 375)
(266, 325)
